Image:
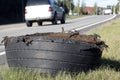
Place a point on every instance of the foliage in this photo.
(83, 8)
(95, 9)
(78, 7)
(117, 8)
(66, 5)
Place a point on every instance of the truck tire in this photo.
(39, 23)
(29, 23)
(63, 19)
(51, 55)
(54, 20)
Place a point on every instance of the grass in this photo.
(109, 70)
(110, 33)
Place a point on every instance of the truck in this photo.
(107, 11)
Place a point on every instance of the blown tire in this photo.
(51, 55)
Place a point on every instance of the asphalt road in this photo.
(77, 24)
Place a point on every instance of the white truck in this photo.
(107, 11)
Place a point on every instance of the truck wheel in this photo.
(29, 23)
(63, 19)
(39, 23)
(54, 21)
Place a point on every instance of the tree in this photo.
(109, 6)
(119, 5)
(83, 8)
(117, 8)
(66, 5)
(72, 6)
(95, 9)
(78, 7)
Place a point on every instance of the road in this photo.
(77, 24)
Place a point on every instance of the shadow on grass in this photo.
(112, 64)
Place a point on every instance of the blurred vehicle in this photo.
(75, 14)
(107, 11)
(43, 10)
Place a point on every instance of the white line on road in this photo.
(3, 53)
(77, 29)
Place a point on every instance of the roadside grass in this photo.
(110, 33)
(109, 70)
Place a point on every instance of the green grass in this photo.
(110, 33)
(109, 70)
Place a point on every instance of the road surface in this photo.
(77, 24)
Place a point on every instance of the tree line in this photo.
(68, 4)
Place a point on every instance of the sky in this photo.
(100, 3)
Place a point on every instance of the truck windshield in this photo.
(37, 2)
